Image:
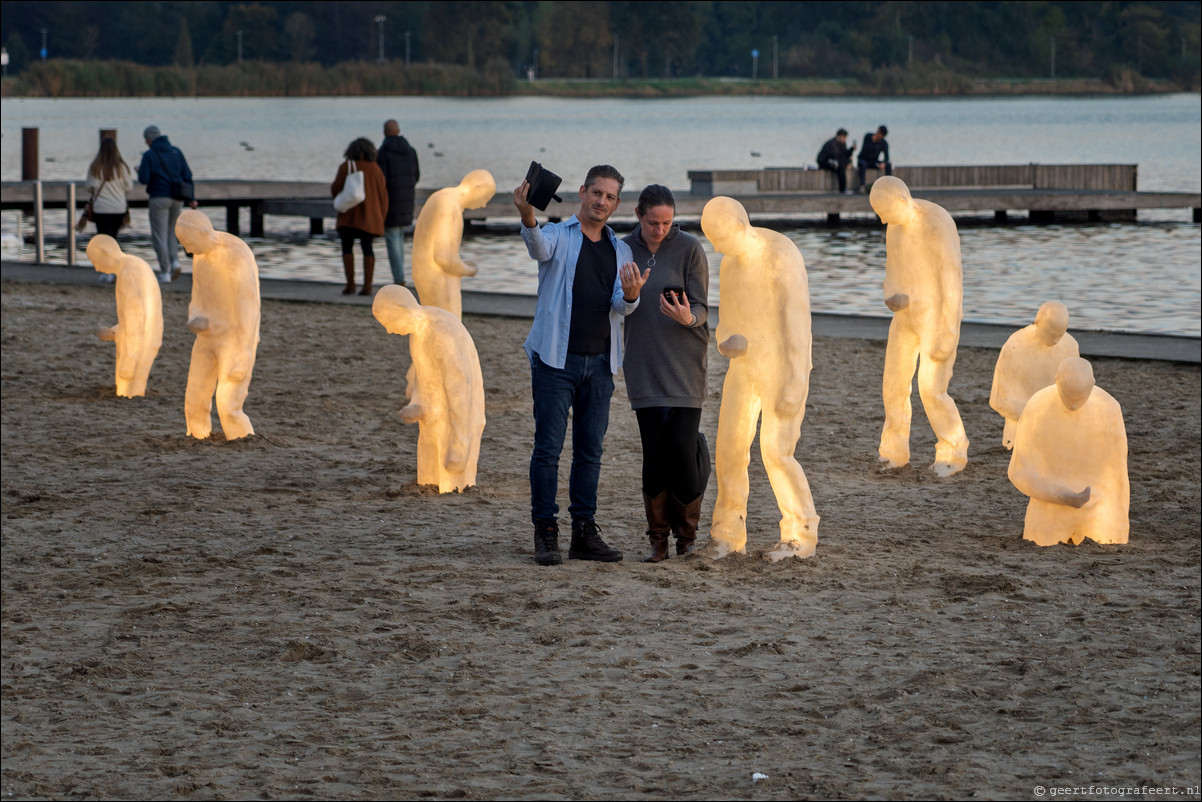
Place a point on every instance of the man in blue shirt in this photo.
(587, 282)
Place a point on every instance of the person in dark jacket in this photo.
(398, 161)
(874, 151)
(162, 166)
(835, 156)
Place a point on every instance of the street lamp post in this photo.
(615, 56)
(755, 63)
(406, 48)
(239, 47)
(379, 19)
(44, 32)
(775, 60)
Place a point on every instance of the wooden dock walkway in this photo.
(1044, 193)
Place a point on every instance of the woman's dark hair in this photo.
(108, 163)
(655, 195)
(361, 150)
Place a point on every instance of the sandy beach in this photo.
(290, 616)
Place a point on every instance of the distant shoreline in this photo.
(88, 79)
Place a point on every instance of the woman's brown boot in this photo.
(658, 529)
(685, 518)
(369, 267)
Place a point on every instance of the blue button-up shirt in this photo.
(556, 248)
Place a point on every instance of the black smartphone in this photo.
(674, 293)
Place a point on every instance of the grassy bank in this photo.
(68, 78)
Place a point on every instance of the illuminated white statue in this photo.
(1070, 457)
(1028, 363)
(437, 267)
(447, 398)
(924, 290)
(139, 330)
(764, 330)
(224, 316)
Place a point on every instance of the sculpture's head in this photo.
(396, 309)
(105, 254)
(477, 188)
(891, 200)
(1051, 322)
(1074, 381)
(195, 231)
(725, 223)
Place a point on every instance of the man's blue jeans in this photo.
(585, 385)
(394, 243)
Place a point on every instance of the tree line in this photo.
(608, 39)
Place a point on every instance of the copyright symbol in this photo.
(1039, 790)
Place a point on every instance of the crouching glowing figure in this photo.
(1070, 457)
(446, 391)
(1028, 363)
(139, 330)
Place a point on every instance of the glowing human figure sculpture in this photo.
(437, 267)
(924, 290)
(1028, 363)
(139, 330)
(224, 316)
(764, 330)
(1070, 457)
(447, 399)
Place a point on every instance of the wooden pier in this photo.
(1044, 193)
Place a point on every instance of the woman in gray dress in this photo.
(666, 340)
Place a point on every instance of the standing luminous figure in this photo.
(448, 403)
(925, 291)
(139, 330)
(1028, 363)
(1070, 457)
(224, 316)
(764, 329)
(437, 267)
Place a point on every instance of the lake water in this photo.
(1142, 276)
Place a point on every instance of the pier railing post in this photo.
(71, 224)
(39, 224)
(29, 154)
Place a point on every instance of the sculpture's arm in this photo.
(733, 346)
(446, 256)
(107, 333)
(796, 366)
(457, 383)
(134, 320)
(1033, 483)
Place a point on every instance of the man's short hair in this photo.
(883, 131)
(841, 132)
(604, 171)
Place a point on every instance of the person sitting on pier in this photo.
(874, 155)
(835, 156)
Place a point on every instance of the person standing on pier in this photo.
(834, 157)
(587, 283)
(164, 171)
(874, 155)
(398, 162)
(364, 220)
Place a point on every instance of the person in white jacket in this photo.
(109, 180)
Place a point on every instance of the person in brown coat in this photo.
(365, 220)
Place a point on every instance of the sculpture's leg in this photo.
(799, 519)
(951, 449)
(736, 429)
(901, 359)
(198, 397)
(233, 384)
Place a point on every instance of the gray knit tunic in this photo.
(665, 361)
